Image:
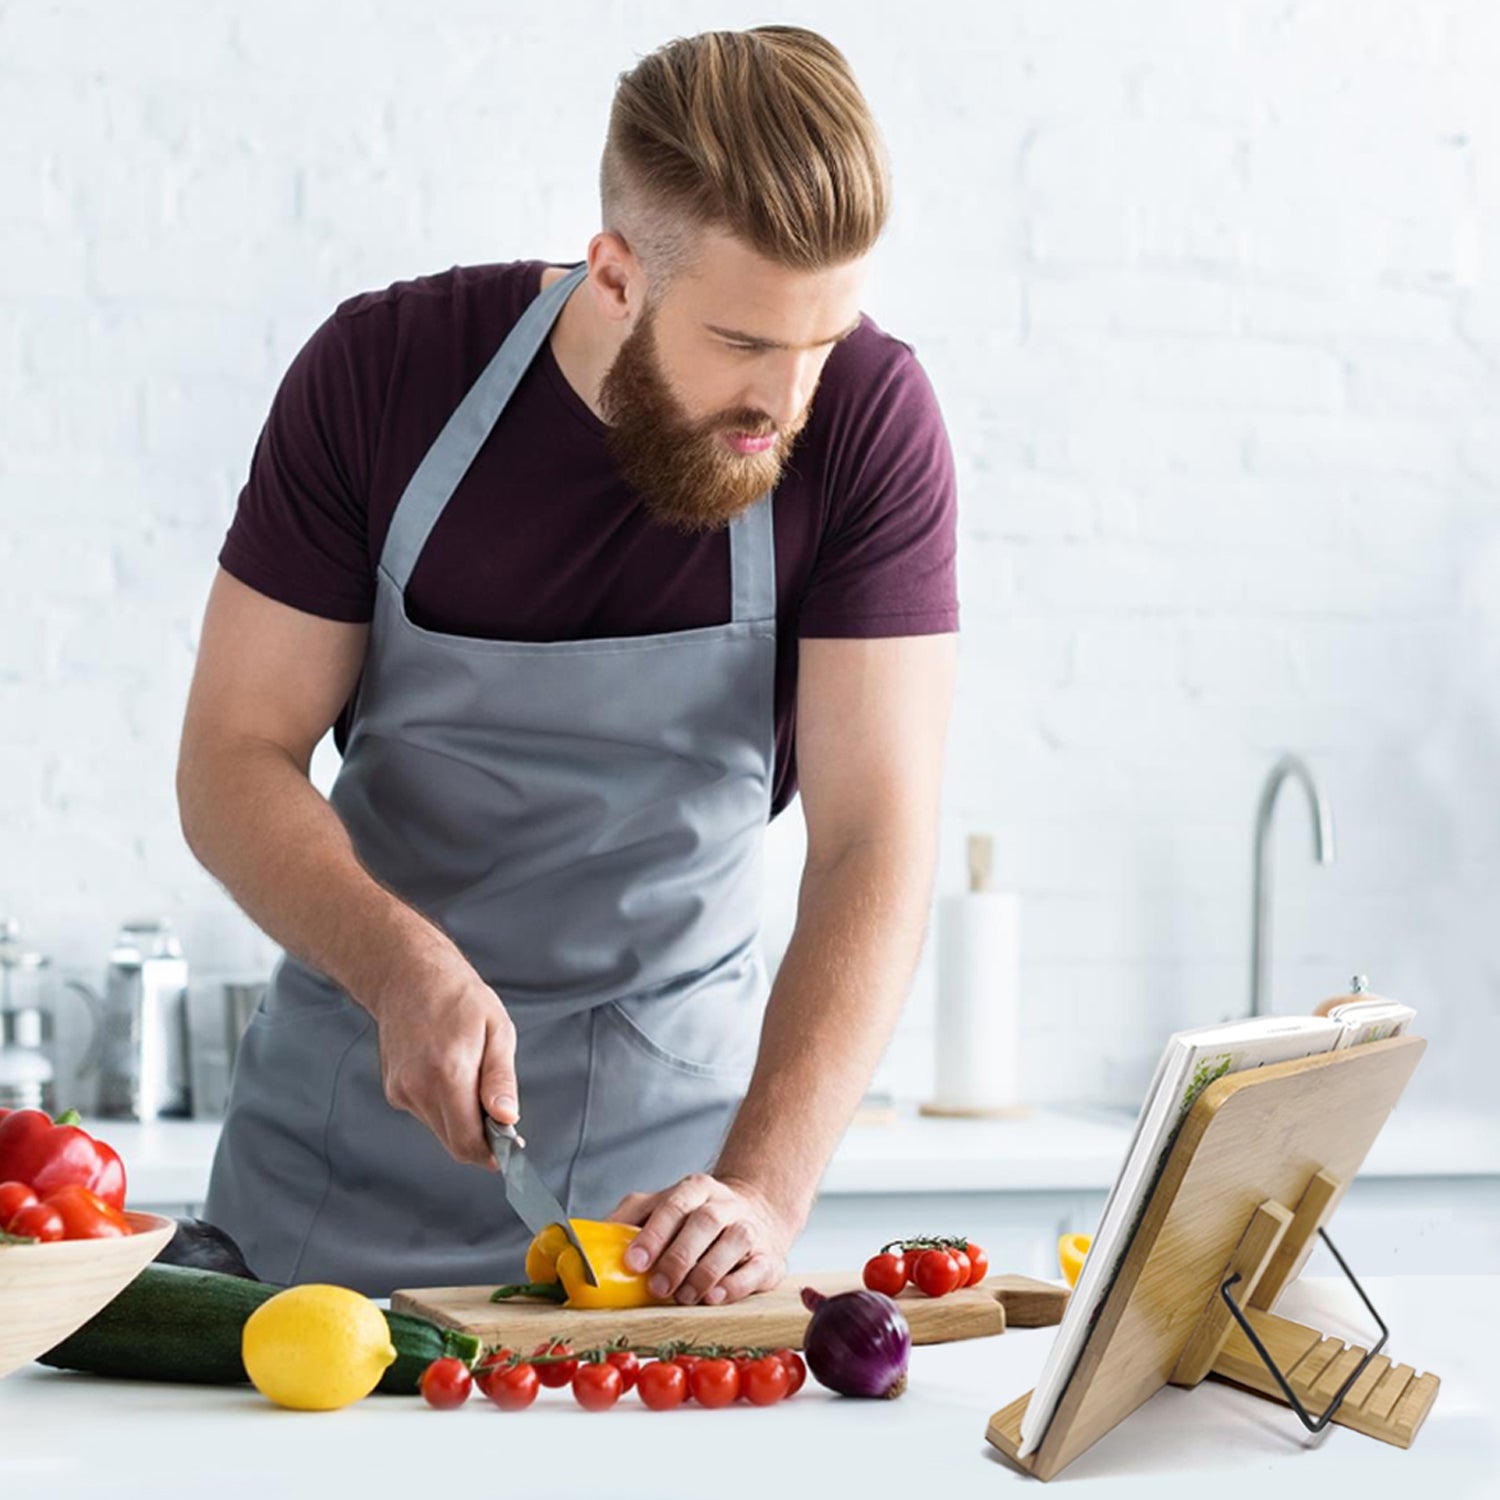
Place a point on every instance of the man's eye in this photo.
(742, 348)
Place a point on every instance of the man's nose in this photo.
(785, 388)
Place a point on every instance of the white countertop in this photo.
(168, 1162)
(162, 1441)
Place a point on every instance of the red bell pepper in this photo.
(48, 1156)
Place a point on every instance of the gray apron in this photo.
(584, 819)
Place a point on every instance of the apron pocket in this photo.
(653, 1049)
(701, 1034)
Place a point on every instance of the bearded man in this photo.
(590, 567)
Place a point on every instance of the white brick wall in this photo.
(1208, 288)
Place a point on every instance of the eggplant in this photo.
(205, 1247)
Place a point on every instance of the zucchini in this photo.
(176, 1323)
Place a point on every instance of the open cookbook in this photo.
(1191, 1061)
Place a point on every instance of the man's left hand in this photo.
(708, 1239)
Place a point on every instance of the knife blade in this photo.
(526, 1192)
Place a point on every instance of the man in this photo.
(564, 555)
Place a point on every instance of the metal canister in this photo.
(144, 1071)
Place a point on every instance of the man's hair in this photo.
(761, 133)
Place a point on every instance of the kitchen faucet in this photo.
(1260, 925)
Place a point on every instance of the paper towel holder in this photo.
(981, 862)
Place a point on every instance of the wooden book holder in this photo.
(1257, 1168)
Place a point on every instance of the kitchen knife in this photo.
(528, 1194)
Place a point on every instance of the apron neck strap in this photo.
(447, 461)
(752, 563)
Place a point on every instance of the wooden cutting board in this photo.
(774, 1319)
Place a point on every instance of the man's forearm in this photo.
(274, 842)
(837, 996)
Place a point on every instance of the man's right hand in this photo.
(448, 1047)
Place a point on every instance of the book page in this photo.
(1371, 1020)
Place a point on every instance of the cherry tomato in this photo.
(663, 1384)
(628, 1365)
(446, 1383)
(38, 1221)
(597, 1387)
(555, 1376)
(796, 1369)
(964, 1267)
(14, 1196)
(886, 1273)
(766, 1381)
(687, 1363)
(936, 1273)
(489, 1366)
(714, 1382)
(979, 1263)
(86, 1216)
(513, 1388)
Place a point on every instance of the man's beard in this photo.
(684, 473)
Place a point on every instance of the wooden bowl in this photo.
(49, 1291)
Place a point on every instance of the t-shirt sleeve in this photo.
(887, 563)
(299, 532)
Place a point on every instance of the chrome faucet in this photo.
(1260, 926)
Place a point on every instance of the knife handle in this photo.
(496, 1133)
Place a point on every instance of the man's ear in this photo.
(616, 277)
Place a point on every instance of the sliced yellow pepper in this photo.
(552, 1258)
(541, 1255)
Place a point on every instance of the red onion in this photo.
(857, 1343)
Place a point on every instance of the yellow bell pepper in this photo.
(552, 1258)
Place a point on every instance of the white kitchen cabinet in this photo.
(1427, 1200)
(1384, 1226)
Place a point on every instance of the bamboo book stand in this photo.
(1257, 1167)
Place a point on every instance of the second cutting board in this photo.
(772, 1319)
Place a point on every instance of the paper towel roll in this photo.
(978, 1005)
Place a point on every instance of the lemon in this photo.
(316, 1348)
(1071, 1249)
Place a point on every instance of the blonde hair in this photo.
(762, 133)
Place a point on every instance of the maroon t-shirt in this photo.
(543, 541)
